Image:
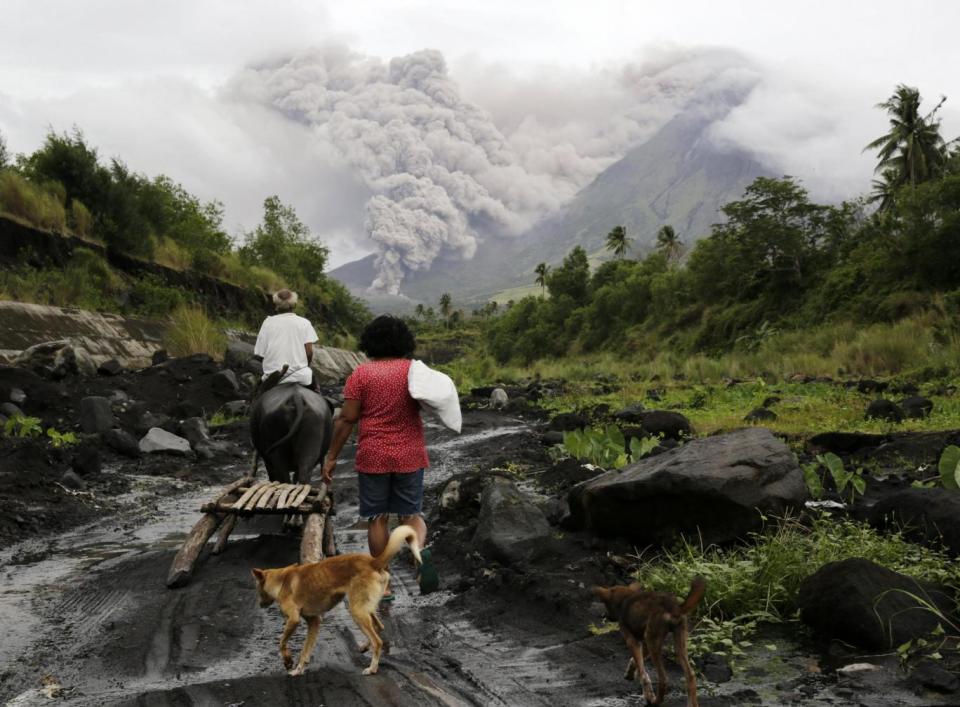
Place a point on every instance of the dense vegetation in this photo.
(65, 187)
(778, 262)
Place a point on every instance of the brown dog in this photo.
(309, 591)
(645, 620)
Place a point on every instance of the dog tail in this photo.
(697, 589)
(401, 535)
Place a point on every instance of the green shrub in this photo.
(151, 297)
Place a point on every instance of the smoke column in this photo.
(442, 174)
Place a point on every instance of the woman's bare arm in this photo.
(349, 415)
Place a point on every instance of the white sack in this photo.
(436, 393)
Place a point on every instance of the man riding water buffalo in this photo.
(290, 422)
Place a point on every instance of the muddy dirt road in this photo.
(89, 609)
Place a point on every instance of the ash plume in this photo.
(442, 173)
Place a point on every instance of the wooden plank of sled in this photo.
(228, 525)
(182, 568)
(282, 496)
(252, 503)
(237, 488)
(268, 494)
(298, 498)
(227, 496)
(246, 496)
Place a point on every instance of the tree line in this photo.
(65, 185)
(778, 258)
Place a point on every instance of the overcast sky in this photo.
(149, 81)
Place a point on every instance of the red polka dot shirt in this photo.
(391, 431)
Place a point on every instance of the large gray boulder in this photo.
(510, 529)
(158, 440)
(714, 488)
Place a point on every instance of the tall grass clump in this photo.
(191, 332)
(27, 201)
(763, 577)
(171, 254)
(81, 221)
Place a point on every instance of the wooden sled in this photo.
(247, 497)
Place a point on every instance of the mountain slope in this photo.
(678, 177)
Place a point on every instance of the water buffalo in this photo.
(291, 428)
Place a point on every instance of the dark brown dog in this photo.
(310, 591)
(645, 620)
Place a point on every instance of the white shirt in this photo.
(280, 341)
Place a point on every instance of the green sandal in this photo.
(427, 577)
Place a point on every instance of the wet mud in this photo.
(89, 609)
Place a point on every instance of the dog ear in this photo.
(257, 575)
(601, 593)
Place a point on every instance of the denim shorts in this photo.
(394, 492)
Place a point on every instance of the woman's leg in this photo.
(378, 532)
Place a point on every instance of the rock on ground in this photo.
(159, 440)
(884, 410)
(499, 398)
(760, 414)
(713, 488)
(56, 360)
(511, 529)
(121, 442)
(930, 516)
(96, 414)
(862, 603)
(567, 422)
(665, 423)
(916, 407)
(225, 384)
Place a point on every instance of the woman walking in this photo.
(391, 452)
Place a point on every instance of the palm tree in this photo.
(913, 151)
(420, 310)
(669, 243)
(617, 241)
(445, 302)
(884, 189)
(542, 270)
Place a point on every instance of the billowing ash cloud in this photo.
(441, 173)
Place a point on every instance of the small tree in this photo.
(420, 311)
(617, 242)
(445, 302)
(669, 243)
(542, 270)
(4, 152)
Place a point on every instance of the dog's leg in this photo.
(680, 639)
(379, 624)
(365, 622)
(655, 648)
(313, 628)
(636, 649)
(293, 620)
(631, 669)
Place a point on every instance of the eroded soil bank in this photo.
(88, 608)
